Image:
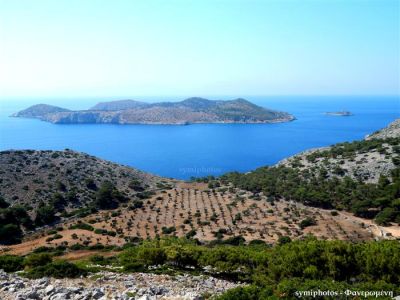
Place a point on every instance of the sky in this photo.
(95, 48)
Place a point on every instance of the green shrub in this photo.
(10, 234)
(11, 263)
(168, 230)
(257, 243)
(96, 247)
(3, 203)
(37, 259)
(45, 215)
(115, 214)
(244, 293)
(57, 236)
(90, 184)
(191, 234)
(108, 197)
(76, 247)
(83, 226)
(235, 240)
(57, 269)
(385, 216)
(43, 249)
(145, 195)
(307, 222)
(134, 259)
(97, 259)
(137, 204)
(284, 240)
(100, 231)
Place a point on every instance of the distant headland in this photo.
(189, 111)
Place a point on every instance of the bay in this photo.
(203, 149)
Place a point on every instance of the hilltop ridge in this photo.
(39, 110)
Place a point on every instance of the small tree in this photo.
(107, 197)
(45, 215)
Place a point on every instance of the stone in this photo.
(49, 289)
(97, 294)
(32, 295)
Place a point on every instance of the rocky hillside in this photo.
(192, 110)
(28, 177)
(393, 130)
(362, 177)
(43, 187)
(364, 160)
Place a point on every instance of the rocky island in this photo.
(339, 113)
(189, 111)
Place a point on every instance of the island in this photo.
(339, 113)
(190, 111)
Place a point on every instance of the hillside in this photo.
(365, 160)
(119, 105)
(55, 187)
(27, 176)
(393, 130)
(192, 110)
(66, 188)
(362, 177)
(40, 187)
(193, 211)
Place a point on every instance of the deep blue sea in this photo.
(199, 150)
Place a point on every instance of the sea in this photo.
(199, 150)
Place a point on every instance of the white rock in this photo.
(49, 289)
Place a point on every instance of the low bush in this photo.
(307, 222)
(37, 259)
(11, 263)
(57, 269)
(83, 226)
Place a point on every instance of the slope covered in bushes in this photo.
(329, 186)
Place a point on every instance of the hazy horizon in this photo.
(74, 49)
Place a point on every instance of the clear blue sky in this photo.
(74, 48)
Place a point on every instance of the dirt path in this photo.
(377, 230)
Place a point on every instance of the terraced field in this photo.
(190, 209)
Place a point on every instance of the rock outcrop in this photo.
(112, 286)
